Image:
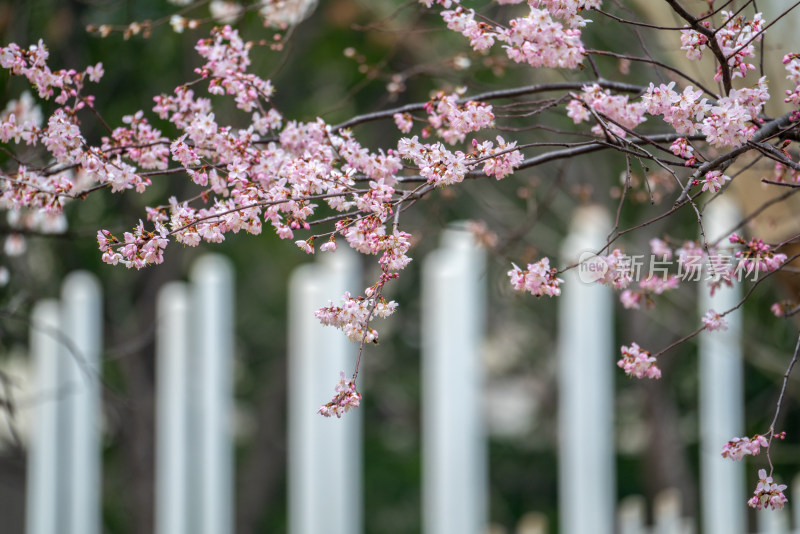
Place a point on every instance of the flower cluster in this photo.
(618, 275)
(638, 363)
(139, 142)
(32, 64)
(354, 315)
(682, 111)
(652, 285)
(792, 65)
(548, 36)
(436, 163)
(453, 120)
(681, 147)
(735, 37)
(138, 248)
(539, 279)
(738, 448)
(727, 123)
(758, 256)
(784, 174)
(713, 181)
(660, 248)
(615, 108)
(714, 321)
(498, 161)
(767, 494)
(404, 122)
(227, 61)
(480, 34)
(540, 41)
(21, 120)
(780, 309)
(346, 397)
(567, 10)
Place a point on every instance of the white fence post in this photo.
(173, 371)
(46, 454)
(772, 521)
(325, 487)
(587, 483)
(212, 279)
(795, 501)
(721, 394)
(632, 515)
(81, 323)
(668, 514)
(532, 523)
(64, 477)
(454, 450)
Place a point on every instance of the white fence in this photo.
(194, 481)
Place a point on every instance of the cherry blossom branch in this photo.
(768, 130)
(774, 154)
(680, 73)
(712, 42)
(734, 308)
(636, 22)
(779, 404)
(491, 95)
(763, 30)
(781, 184)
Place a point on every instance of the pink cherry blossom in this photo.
(403, 121)
(354, 315)
(735, 37)
(757, 257)
(618, 275)
(480, 34)
(713, 181)
(738, 448)
(767, 494)
(638, 363)
(660, 248)
(614, 107)
(714, 321)
(346, 397)
(538, 40)
(539, 279)
(498, 161)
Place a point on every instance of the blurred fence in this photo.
(194, 480)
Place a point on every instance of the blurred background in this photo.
(350, 57)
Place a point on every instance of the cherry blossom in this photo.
(735, 37)
(619, 274)
(767, 494)
(346, 397)
(614, 107)
(480, 34)
(713, 181)
(714, 321)
(647, 288)
(738, 448)
(660, 248)
(540, 41)
(498, 161)
(758, 257)
(539, 279)
(354, 315)
(638, 363)
(681, 147)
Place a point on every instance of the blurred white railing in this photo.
(194, 471)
